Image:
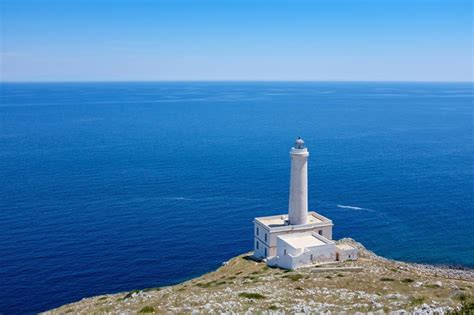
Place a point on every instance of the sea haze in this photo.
(108, 187)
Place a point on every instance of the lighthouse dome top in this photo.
(299, 143)
(299, 148)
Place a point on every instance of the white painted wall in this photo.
(347, 253)
(259, 251)
(259, 238)
(322, 253)
(325, 231)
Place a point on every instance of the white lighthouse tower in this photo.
(298, 203)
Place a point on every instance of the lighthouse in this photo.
(298, 237)
(298, 201)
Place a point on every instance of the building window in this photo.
(265, 252)
(311, 257)
(257, 231)
(256, 245)
(320, 232)
(284, 252)
(265, 237)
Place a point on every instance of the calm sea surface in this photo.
(108, 187)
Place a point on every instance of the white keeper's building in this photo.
(299, 238)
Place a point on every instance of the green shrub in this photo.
(272, 308)
(256, 296)
(204, 285)
(147, 309)
(417, 300)
(408, 280)
(386, 279)
(293, 277)
(151, 289)
(467, 307)
(461, 296)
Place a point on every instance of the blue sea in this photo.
(109, 187)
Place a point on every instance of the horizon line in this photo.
(230, 80)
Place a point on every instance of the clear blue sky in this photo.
(79, 40)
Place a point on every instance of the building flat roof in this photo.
(280, 221)
(302, 241)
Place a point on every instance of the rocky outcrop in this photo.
(372, 285)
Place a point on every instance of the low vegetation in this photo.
(256, 296)
(467, 308)
(147, 309)
(417, 300)
(294, 277)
